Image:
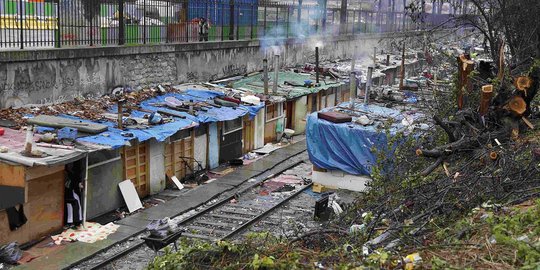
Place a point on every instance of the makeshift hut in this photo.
(32, 187)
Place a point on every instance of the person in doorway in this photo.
(204, 27)
(72, 196)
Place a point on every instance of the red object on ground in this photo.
(335, 117)
(1, 131)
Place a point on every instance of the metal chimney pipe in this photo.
(368, 85)
(402, 71)
(120, 114)
(265, 76)
(29, 139)
(317, 64)
(276, 74)
(352, 79)
(387, 60)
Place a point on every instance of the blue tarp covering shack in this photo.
(113, 137)
(347, 146)
(212, 115)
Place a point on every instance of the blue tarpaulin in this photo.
(347, 146)
(212, 115)
(113, 137)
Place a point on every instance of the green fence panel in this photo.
(104, 10)
(226, 31)
(49, 9)
(155, 34)
(30, 8)
(132, 34)
(11, 7)
(213, 33)
(104, 35)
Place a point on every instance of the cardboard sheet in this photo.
(130, 195)
(177, 183)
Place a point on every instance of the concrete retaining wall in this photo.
(56, 75)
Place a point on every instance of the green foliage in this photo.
(379, 257)
(263, 262)
(439, 264)
(518, 231)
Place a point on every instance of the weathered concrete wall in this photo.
(157, 166)
(259, 130)
(56, 75)
(199, 149)
(105, 172)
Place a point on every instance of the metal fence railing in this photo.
(75, 23)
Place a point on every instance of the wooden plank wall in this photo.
(44, 208)
(174, 164)
(11, 175)
(248, 135)
(136, 162)
(270, 132)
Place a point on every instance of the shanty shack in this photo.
(295, 96)
(149, 155)
(347, 160)
(32, 187)
(172, 133)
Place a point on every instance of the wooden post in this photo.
(368, 85)
(402, 71)
(120, 112)
(85, 206)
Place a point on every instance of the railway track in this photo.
(228, 217)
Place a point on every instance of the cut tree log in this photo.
(523, 83)
(465, 68)
(485, 100)
(500, 75)
(465, 144)
(517, 105)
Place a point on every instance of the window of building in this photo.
(232, 125)
(274, 111)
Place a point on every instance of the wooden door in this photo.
(179, 157)
(136, 167)
(248, 135)
(289, 113)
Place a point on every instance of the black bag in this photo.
(159, 228)
(10, 253)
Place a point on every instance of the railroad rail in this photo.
(224, 219)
